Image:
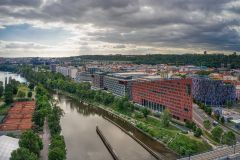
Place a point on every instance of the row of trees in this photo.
(220, 136)
(82, 90)
(30, 146)
(53, 113)
(210, 60)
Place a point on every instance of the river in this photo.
(79, 130)
(83, 143)
(7, 75)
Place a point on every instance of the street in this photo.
(46, 141)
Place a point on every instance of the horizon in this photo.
(65, 28)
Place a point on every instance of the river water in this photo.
(83, 143)
(7, 75)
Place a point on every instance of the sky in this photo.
(57, 28)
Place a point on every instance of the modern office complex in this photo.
(116, 83)
(97, 80)
(120, 83)
(212, 92)
(158, 95)
(83, 77)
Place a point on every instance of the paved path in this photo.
(46, 141)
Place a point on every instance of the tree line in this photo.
(30, 143)
(209, 60)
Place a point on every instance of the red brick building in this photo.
(157, 95)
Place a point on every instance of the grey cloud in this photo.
(119, 46)
(197, 23)
(15, 45)
(26, 3)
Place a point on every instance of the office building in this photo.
(160, 94)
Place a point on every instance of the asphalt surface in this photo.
(199, 116)
(45, 140)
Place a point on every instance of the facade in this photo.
(213, 92)
(92, 70)
(62, 70)
(238, 91)
(158, 95)
(117, 86)
(53, 67)
(120, 83)
(97, 80)
(83, 77)
(73, 72)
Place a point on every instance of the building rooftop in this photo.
(128, 75)
(8, 144)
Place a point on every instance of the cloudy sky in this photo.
(80, 27)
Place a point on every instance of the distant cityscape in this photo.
(199, 98)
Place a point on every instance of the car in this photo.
(215, 123)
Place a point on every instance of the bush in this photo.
(145, 112)
(198, 132)
(138, 115)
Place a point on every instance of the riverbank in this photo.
(171, 138)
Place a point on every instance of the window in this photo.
(188, 89)
(186, 109)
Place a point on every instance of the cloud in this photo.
(119, 46)
(157, 24)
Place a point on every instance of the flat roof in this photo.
(8, 144)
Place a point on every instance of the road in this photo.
(199, 116)
(45, 140)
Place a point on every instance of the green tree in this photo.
(1, 89)
(222, 120)
(229, 138)
(31, 86)
(198, 132)
(14, 84)
(8, 94)
(207, 124)
(29, 94)
(21, 94)
(31, 141)
(23, 154)
(217, 133)
(38, 117)
(145, 112)
(165, 118)
(56, 154)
